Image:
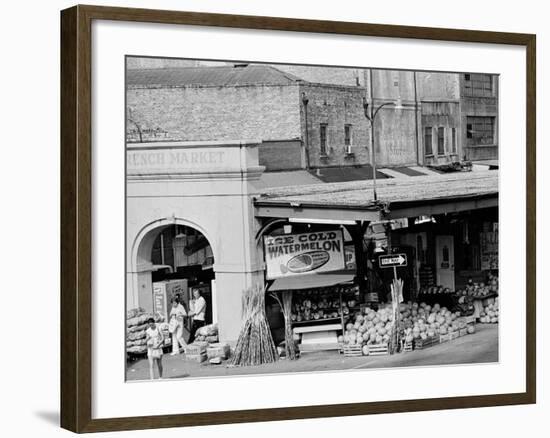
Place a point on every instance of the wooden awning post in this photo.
(357, 233)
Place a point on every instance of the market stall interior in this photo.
(330, 311)
(347, 274)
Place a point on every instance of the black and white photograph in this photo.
(285, 218)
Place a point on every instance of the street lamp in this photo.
(370, 114)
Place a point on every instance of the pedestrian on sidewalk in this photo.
(198, 312)
(177, 316)
(155, 342)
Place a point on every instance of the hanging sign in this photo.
(289, 255)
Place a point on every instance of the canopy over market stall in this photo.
(398, 198)
(312, 280)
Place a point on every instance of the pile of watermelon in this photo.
(490, 313)
(368, 327)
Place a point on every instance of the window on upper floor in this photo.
(480, 130)
(428, 148)
(478, 85)
(347, 138)
(441, 140)
(323, 138)
(453, 141)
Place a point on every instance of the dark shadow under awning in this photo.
(313, 280)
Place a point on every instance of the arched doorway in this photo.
(171, 257)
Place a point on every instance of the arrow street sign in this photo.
(393, 260)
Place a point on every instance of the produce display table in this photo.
(321, 331)
(318, 337)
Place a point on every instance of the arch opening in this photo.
(172, 258)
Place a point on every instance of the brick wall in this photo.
(259, 112)
(282, 155)
(336, 106)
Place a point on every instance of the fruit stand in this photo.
(421, 326)
(320, 302)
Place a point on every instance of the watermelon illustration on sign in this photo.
(306, 262)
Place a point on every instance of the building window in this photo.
(478, 85)
(323, 138)
(441, 141)
(480, 131)
(347, 138)
(428, 150)
(453, 140)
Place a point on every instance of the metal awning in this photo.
(397, 198)
(312, 280)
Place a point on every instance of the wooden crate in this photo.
(421, 344)
(199, 358)
(463, 332)
(408, 346)
(353, 350)
(378, 349)
(454, 335)
(444, 338)
(196, 348)
(217, 350)
(470, 319)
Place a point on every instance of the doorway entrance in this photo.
(445, 261)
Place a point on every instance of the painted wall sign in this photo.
(296, 254)
(174, 159)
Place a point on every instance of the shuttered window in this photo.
(428, 149)
(441, 141)
(323, 138)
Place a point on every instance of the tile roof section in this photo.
(208, 76)
(359, 193)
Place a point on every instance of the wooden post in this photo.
(357, 232)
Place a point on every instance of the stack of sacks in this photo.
(208, 333)
(136, 324)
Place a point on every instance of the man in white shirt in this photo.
(198, 313)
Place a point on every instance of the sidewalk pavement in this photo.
(480, 347)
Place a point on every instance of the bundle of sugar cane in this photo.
(397, 294)
(255, 345)
(286, 306)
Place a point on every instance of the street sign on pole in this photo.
(392, 260)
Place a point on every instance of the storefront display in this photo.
(318, 315)
(324, 303)
(420, 326)
(489, 247)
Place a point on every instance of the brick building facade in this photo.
(313, 117)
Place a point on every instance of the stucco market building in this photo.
(213, 195)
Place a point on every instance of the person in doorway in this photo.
(198, 313)
(177, 315)
(155, 341)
